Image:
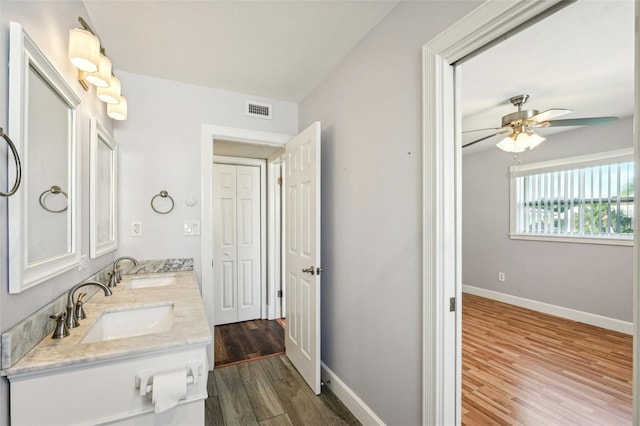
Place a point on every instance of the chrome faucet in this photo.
(114, 276)
(71, 319)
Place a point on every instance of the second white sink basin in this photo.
(147, 281)
(130, 322)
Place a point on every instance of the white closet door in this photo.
(236, 262)
(248, 234)
(225, 261)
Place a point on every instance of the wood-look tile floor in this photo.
(269, 392)
(243, 341)
(521, 367)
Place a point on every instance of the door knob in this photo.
(310, 270)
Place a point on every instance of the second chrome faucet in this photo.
(114, 276)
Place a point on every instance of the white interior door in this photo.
(302, 246)
(237, 269)
(248, 233)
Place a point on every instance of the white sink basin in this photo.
(130, 322)
(151, 281)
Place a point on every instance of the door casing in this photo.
(209, 133)
(441, 205)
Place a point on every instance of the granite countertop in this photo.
(190, 326)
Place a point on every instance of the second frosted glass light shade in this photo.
(102, 77)
(111, 94)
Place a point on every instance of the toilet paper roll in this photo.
(168, 389)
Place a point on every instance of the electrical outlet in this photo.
(136, 228)
(501, 276)
(84, 262)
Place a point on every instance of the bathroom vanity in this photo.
(138, 358)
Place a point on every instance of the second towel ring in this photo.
(163, 194)
(55, 189)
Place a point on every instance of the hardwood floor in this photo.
(521, 367)
(247, 340)
(269, 392)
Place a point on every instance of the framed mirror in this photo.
(44, 213)
(103, 192)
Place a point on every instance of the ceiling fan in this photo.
(520, 125)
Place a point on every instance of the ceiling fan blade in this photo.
(484, 138)
(549, 114)
(477, 130)
(588, 121)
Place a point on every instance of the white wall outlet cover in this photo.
(191, 201)
(136, 228)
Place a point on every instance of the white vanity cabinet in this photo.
(107, 392)
(114, 378)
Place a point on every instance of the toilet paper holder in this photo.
(193, 371)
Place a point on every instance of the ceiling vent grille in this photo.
(259, 110)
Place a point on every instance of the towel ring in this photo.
(16, 158)
(55, 189)
(163, 194)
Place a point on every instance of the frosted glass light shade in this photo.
(118, 111)
(518, 142)
(111, 94)
(84, 50)
(102, 77)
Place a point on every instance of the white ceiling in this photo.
(580, 58)
(275, 49)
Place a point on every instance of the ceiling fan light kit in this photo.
(520, 140)
(520, 124)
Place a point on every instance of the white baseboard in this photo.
(559, 311)
(349, 398)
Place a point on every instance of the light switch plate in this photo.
(191, 227)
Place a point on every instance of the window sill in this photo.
(574, 239)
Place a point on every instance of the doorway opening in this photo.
(247, 258)
(520, 331)
(442, 207)
(300, 237)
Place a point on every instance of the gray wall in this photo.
(592, 278)
(370, 109)
(48, 24)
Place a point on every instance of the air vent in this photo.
(257, 109)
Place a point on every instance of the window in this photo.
(580, 199)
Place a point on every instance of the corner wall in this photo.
(371, 114)
(591, 278)
(48, 24)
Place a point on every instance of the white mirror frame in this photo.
(100, 135)
(23, 55)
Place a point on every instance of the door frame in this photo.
(262, 166)
(441, 216)
(208, 134)
(441, 207)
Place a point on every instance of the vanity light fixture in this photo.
(94, 67)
